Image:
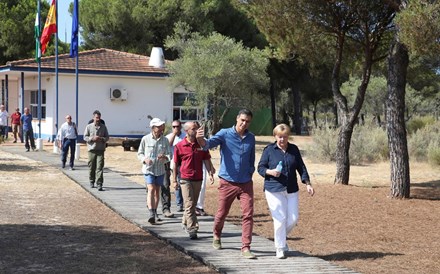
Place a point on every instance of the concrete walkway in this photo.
(128, 199)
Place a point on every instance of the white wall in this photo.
(146, 96)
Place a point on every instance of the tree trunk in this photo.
(297, 113)
(343, 153)
(272, 103)
(397, 68)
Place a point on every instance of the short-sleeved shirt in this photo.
(190, 156)
(26, 121)
(15, 118)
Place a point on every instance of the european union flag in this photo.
(75, 30)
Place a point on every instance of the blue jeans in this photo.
(68, 144)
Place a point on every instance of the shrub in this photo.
(368, 144)
(417, 123)
(434, 154)
(423, 141)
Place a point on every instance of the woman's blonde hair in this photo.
(281, 129)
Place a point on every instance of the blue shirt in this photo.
(237, 154)
(26, 120)
(292, 162)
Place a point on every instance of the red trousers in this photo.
(227, 193)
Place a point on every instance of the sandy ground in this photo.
(356, 226)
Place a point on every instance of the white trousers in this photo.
(283, 207)
(201, 200)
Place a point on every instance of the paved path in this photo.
(127, 198)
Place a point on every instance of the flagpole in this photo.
(56, 68)
(39, 76)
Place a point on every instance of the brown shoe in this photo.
(168, 214)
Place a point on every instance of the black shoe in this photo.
(151, 220)
(100, 188)
(63, 165)
(158, 219)
(27, 150)
(92, 184)
(193, 235)
(180, 209)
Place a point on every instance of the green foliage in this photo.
(17, 20)
(419, 27)
(434, 153)
(421, 142)
(368, 145)
(418, 123)
(137, 25)
(220, 71)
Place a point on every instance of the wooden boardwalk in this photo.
(128, 199)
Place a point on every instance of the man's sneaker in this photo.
(217, 244)
(151, 219)
(192, 235)
(248, 254)
(200, 212)
(158, 219)
(92, 184)
(280, 253)
(100, 188)
(168, 214)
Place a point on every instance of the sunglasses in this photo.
(175, 126)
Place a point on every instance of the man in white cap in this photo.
(154, 151)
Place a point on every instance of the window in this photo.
(34, 104)
(184, 112)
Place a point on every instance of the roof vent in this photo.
(157, 59)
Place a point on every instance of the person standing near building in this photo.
(237, 150)
(96, 136)
(174, 137)
(189, 159)
(15, 122)
(278, 165)
(4, 115)
(66, 136)
(154, 151)
(28, 132)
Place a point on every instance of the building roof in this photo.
(97, 61)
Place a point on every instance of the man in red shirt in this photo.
(189, 157)
(15, 122)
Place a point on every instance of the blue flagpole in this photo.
(74, 51)
(39, 74)
(56, 70)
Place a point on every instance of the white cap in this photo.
(156, 122)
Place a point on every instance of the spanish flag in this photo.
(50, 27)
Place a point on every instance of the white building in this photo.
(128, 89)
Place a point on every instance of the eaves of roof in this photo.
(97, 61)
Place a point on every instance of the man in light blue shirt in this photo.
(237, 151)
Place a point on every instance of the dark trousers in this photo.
(68, 144)
(96, 166)
(29, 136)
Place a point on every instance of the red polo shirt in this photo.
(190, 156)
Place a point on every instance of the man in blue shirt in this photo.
(28, 132)
(237, 150)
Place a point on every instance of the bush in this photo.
(434, 154)
(418, 123)
(324, 145)
(368, 144)
(423, 141)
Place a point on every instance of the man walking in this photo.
(174, 138)
(66, 136)
(96, 137)
(189, 158)
(28, 132)
(237, 150)
(4, 115)
(15, 122)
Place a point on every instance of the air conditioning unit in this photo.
(117, 94)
